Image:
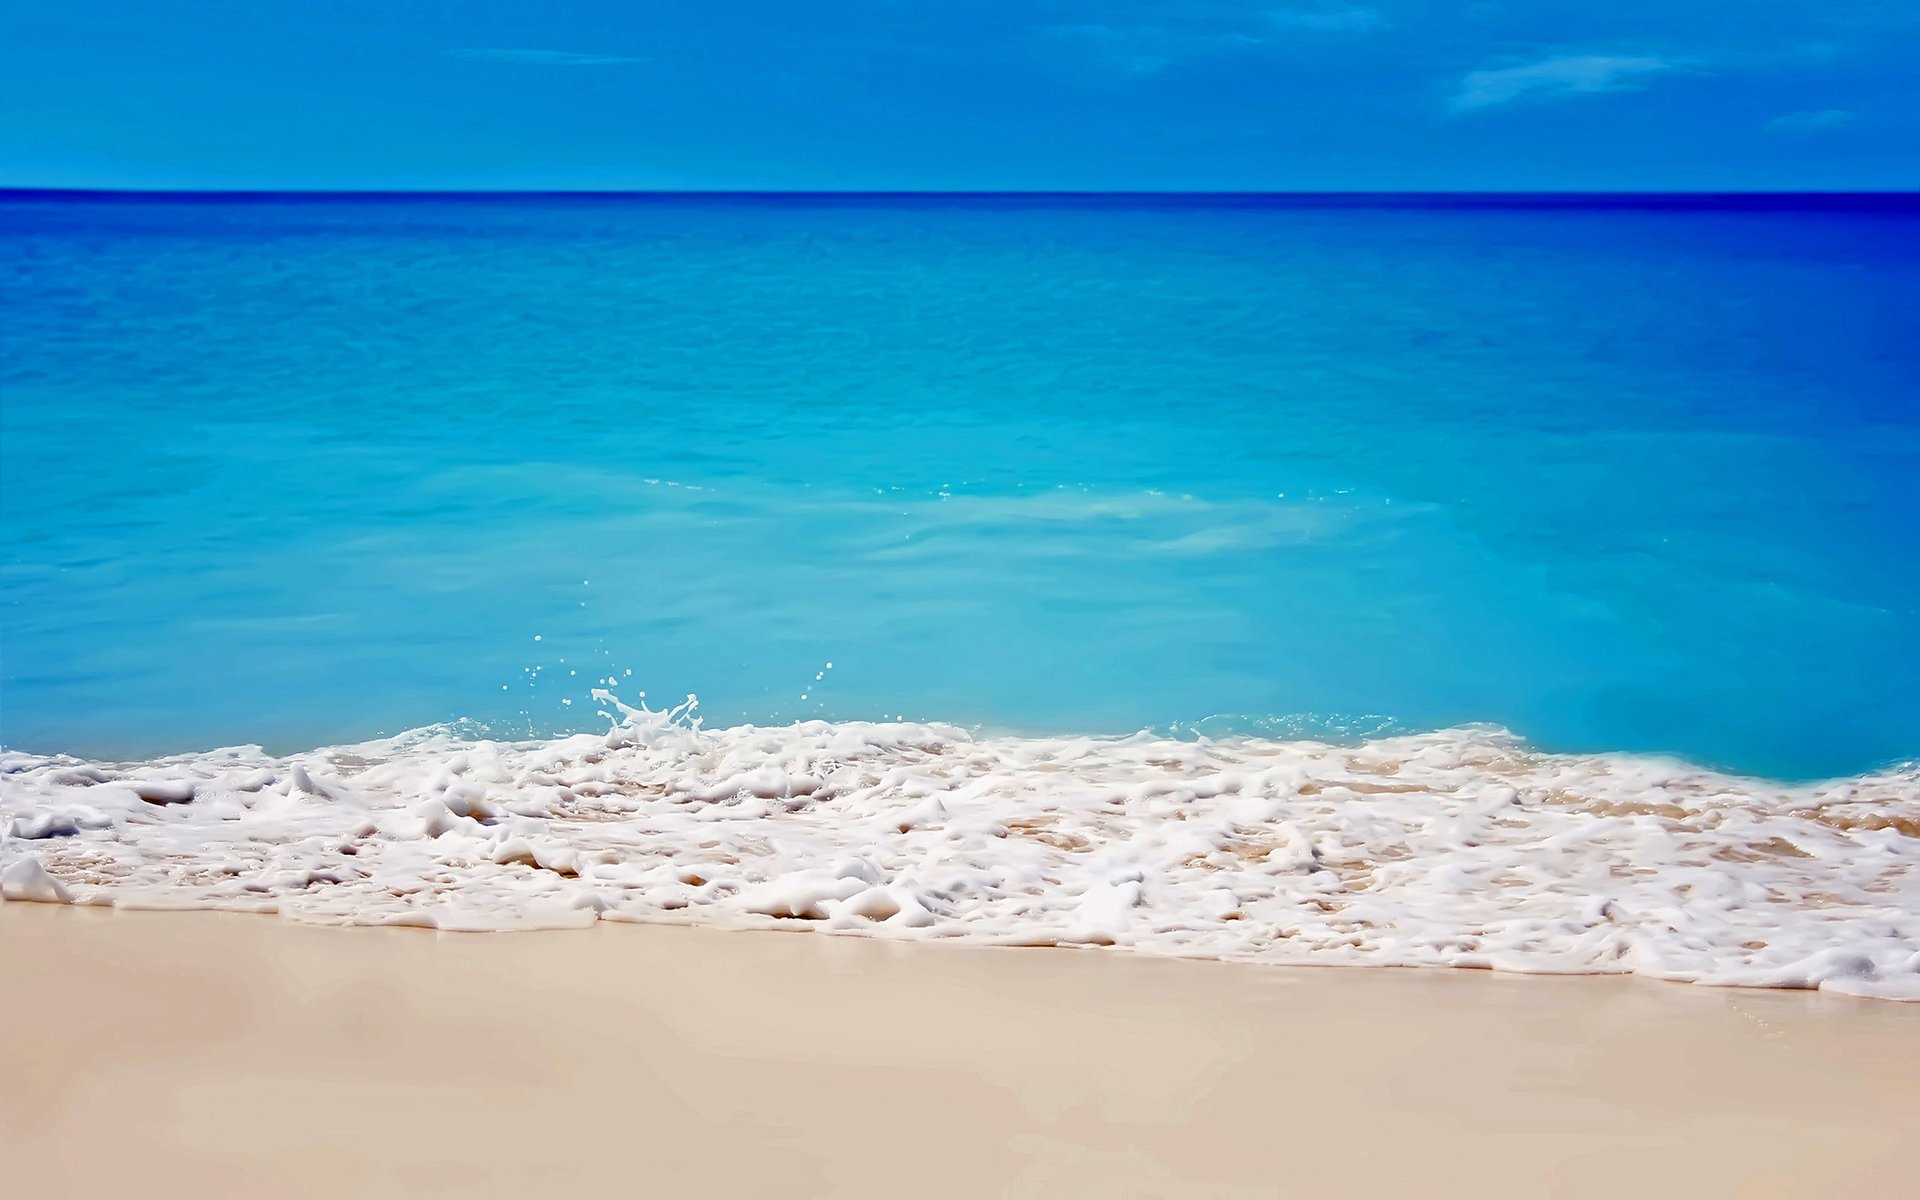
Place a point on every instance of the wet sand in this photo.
(196, 1054)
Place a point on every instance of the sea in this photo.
(1526, 582)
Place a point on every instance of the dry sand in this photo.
(194, 1054)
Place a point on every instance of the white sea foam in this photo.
(1458, 848)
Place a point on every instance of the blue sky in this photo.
(964, 94)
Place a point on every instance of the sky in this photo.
(1129, 95)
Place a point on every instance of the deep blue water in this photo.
(1620, 476)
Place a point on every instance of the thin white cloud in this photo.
(545, 58)
(1134, 49)
(1148, 49)
(1811, 120)
(1564, 75)
(1329, 18)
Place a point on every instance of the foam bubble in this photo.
(25, 879)
(1456, 848)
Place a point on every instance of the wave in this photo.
(1458, 848)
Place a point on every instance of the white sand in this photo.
(193, 1054)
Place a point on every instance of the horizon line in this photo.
(1913, 194)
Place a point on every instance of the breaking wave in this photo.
(1459, 848)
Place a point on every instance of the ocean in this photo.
(1567, 548)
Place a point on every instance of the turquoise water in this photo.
(1618, 477)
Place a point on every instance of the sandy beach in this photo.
(206, 1054)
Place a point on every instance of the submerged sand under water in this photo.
(1457, 848)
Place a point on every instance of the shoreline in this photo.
(220, 1054)
(1461, 848)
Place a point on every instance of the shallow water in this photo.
(1617, 478)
